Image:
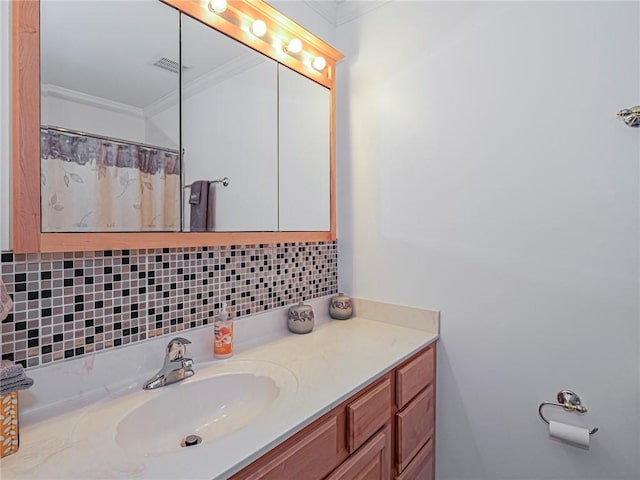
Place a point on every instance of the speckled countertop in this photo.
(70, 417)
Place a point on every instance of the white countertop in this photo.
(328, 365)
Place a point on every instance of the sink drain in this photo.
(191, 440)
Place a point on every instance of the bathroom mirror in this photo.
(304, 138)
(229, 133)
(67, 160)
(110, 159)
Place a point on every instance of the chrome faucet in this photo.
(176, 366)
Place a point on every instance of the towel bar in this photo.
(223, 180)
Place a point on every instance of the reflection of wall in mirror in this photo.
(84, 117)
(85, 113)
(230, 130)
(304, 153)
(160, 126)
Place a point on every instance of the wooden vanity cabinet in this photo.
(312, 454)
(368, 413)
(422, 466)
(415, 417)
(371, 462)
(383, 432)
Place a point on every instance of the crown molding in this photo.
(326, 9)
(350, 10)
(225, 71)
(62, 93)
(343, 11)
(162, 104)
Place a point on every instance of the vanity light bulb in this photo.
(295, 45)
(259, 28)
(319, 63)
(217, 6)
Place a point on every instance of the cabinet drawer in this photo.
(421, 467)
(371, 462)
(414, 427)
(414, 376)
(311, 457)
(367, 414)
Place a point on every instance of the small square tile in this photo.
(85, 302)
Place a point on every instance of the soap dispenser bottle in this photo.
(223, 334)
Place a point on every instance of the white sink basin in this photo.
(210, 408)
(216, 402)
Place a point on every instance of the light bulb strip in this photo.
(217, 6)
(258, 28)
(319, 63)
(236, 21)
(294, 46)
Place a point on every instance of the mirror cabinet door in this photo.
(304, 153)
(153, 121)
(110, 123)
(229, 133)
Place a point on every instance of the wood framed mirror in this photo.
(235, 22)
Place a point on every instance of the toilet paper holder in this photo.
(569, 401)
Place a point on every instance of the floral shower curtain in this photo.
(92, 184)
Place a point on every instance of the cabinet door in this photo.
(371, 462)
(415, 376)
(414, 427)
(304, 155)
(310, 458)
(421, 467)
(367, 414)
(229, 129)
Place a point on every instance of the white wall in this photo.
(482, 172)
(163, 128)
(248, 101)
(5, 116)
(74, 115)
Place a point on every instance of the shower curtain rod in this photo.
(109, 139)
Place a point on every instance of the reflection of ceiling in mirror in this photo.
(212, 56)
(106, 48)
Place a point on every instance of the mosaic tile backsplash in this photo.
(71, 304)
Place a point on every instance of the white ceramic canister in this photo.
(300, 318)
(340, 307)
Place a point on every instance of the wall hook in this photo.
(630, 116)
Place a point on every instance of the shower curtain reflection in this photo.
(93, 184)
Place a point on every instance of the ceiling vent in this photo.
(168, 64)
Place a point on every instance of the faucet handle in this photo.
(177, 348)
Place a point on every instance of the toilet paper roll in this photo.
(568, 433)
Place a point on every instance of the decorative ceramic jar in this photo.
(340, 307)
(301, 318)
